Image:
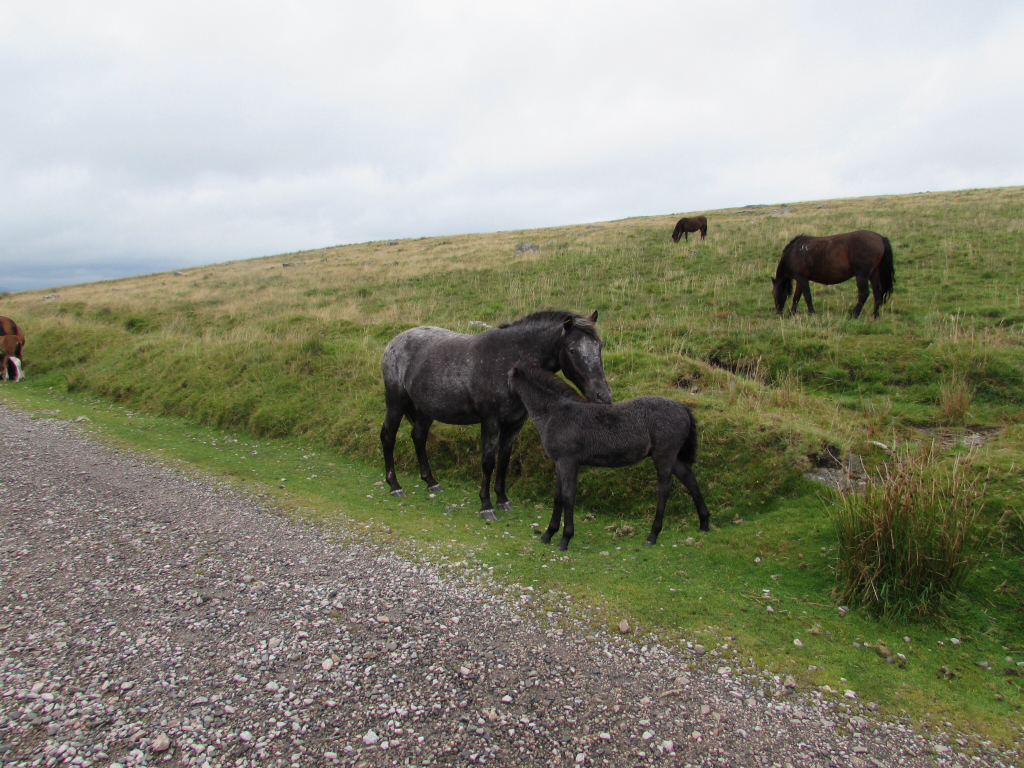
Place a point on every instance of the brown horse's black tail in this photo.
(886, 271)
(688, 453)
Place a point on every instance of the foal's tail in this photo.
(688, 453)
(886, 270)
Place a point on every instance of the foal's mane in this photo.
(548, 317)
(547, 381)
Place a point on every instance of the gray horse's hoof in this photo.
(399, 494)
(435, 489)
(505, 506)
(488, 514)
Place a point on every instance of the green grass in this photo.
(286, 361)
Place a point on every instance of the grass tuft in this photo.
(955, 397)
(906, 545)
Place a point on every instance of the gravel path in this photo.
(150, 618)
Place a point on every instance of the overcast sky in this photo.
(143, 136)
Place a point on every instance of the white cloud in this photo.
(146, 136)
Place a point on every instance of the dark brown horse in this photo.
(864, 255)
(12, 341)
(685, 226)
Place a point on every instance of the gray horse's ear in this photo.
(593, 317)
(567, 324)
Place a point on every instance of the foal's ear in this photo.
(593, 317)
(567, 324)
(772, 279)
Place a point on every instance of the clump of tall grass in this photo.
(955, 397)
(907, 543)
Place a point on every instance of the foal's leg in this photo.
(664, 469)
(392, 421)
(420, 430)
(689, 481)
(488, 443)
(863, 288)
(506, 438)
(565, 500)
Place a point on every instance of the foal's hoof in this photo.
(399, 493)
(488, 514)
(650, 543)
(436, 488)
(563, 546)
(505, 506)
(545, 538)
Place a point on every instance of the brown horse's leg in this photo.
(876, 289)
(804, 287)
(798, 291)
(863, 288)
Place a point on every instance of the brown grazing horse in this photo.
(864, 255)
(685, 226)
(12, 341)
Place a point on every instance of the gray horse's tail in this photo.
(688, 453)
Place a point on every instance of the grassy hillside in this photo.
(290, 346)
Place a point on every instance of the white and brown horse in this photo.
(12, 342)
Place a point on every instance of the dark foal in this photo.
(576, 433)
(432, 374)
(864, 255)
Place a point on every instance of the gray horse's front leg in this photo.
(488, 445)
(506, 438)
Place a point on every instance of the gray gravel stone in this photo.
(139, 604)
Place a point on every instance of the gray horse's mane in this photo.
(554, 317)
(548, 381)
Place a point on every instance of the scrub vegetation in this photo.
(283, 353)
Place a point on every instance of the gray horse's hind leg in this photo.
(488, 445)
(392, 421)
(506, 438)
(689, 481)
(420, 430)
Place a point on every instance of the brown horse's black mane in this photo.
(554, 317)
(548, 381)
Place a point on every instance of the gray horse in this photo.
(432, 374)
(576, 433)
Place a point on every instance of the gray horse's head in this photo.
(580, 358)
